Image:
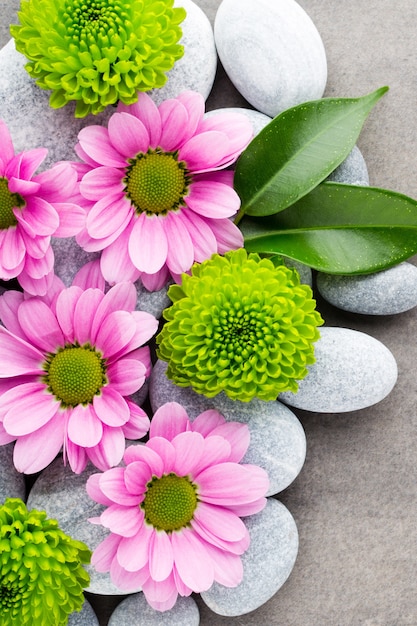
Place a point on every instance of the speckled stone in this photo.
(352, 371)
(12, 483)
(272, 53)
(278, 442)
(388, 292)
(196, 70)
(135, 611)
(62, 494)
(267, 563)
(352, 171)
(86, 617)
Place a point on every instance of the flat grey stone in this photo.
(272, 53)
(86, 617)
(62, 494)
(196, 70)
(277, 443)
(352, 371)
(135, 611)
(352, 171)
(12, 482)
(383, 293)
(267, 563)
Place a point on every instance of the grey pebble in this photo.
(352, 171)
(278, 442)
(352, 371)
(272, 53)
(86, 617)
(388, 292)
(267, 563)
(12, 482)
(135, 611)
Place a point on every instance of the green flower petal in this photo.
(98, 52)
(241, 325)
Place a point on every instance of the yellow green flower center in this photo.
(156, 182)
(94, 16)
(10, 595)
(75, 374)
(8, 201)
(170, 502)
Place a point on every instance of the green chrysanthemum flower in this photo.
(41, 575)
(241, 325)
(98, 52)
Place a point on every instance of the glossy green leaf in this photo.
(297, 150)
(340, 229)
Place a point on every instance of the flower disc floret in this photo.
(239, 324)
(173, 509)
(41, 568)
(98, 52)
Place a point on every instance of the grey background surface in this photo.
(355, 499)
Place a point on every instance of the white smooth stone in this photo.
(267, 563)
(196, 70)
(388, 292)
(135, 611)
(352, 371)
(272, 52)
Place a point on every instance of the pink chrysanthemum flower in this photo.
(66, 373)
(155, 200)
(32, 208)
(174, 509)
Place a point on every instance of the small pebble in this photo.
(86, 617)
(352, 171)
(383, 293)
(12, 482)
(135, 611)
(272, 53)
(267, 563)
(352, 371)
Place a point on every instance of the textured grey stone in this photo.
(384, 293)
(62, 494)
(267, 563)
(12, 483)
(86, 617)
(135, 611)
(352, 170)
(272, 52)
(196, 70)
(278, 442)
(352, 371)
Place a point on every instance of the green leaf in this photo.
(297, 150)
(340, 229)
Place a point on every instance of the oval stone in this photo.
(352, 171)
(12, 482)
(272, 53)
(135, 611)
(196, 70)
(277, 438)
(267, 563)
(86, 617)
(388, 292)
(352, 371)
(62, 494)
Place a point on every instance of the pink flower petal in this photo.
(207, 421)
(192, 560)
(126, 376)
(83, 316)
(90, 276)
(128, 582)
(58, 183)
(236, 126)
(29, 406)
(248, 508)
(29, 162)
(132, 552)
(115, 261)
(180, 255)
(228, 568)
(71, 219)
(161, 595)
(220, 522)
(95, 142)
(137, 475)
(105, 552)
(212, 539)
(148, 245)
(76, 455)
(36, 247)
(109, 216)
(109, 451)
(7, 150)
(138, 424)
(123, 520)
(65, 307)
(216, 450)
(212, 199)
(13, 249)
(169, 420)
(202, 237)
(165, 450)
(39, 268)
(237, 435)
(127, 134)
(227, 234)
(94, 490)
(23, 187)
(112, 485)
(84, 427)
(18, 357)
(155, 282)
(36, 286)
(32, 453)
(194, 105)
(101, 182)
(161, 558)
(174, 119)
(205, 151)
(146, 327)
(38, 217)
(121, 297)
(230, 483)
(115, 333)
(10, 301)
(189, 448)
(144, 454)
(147, 112)
(5, 438)
(111, 408)
(40, 325)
